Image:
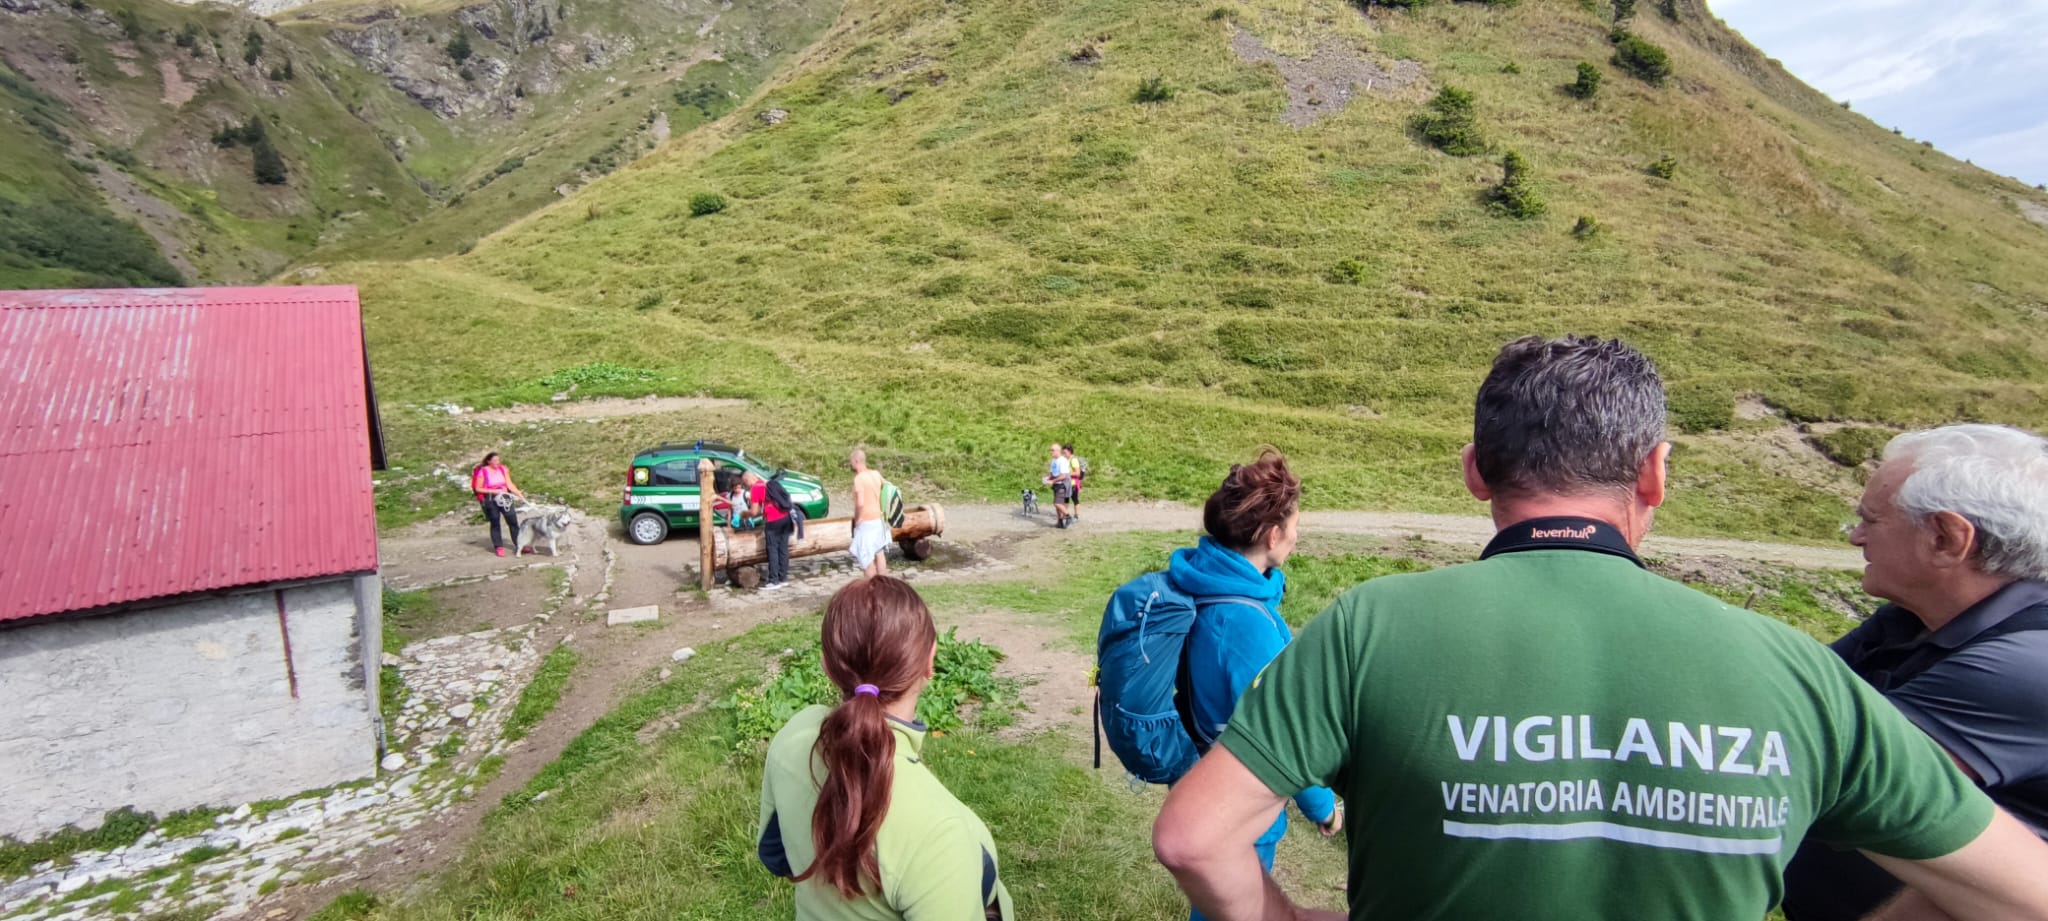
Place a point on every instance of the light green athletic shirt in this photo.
(937, 859)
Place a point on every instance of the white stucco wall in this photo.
(187, 705)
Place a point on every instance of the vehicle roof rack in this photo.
(714, 447)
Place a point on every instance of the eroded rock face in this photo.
(516, 46)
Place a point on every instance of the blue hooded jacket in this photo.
(1231, 643)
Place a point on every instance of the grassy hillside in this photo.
(967, 238)
(388, 139)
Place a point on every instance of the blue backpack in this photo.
(1142, 681)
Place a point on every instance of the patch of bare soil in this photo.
(1750, 407)
(2035, 211)
(605, 408)
(1053, 676)
(1785, 451)
(177, 89)
(1327, 80)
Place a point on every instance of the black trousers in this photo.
(492, 513)
(778, 533)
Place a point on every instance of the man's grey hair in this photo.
(1566, 415)
(1992, 475)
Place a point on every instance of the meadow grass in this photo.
(1011, 252)
(541, 694)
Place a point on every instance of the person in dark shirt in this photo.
(1954, 526)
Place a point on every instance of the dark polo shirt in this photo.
(1978, 686)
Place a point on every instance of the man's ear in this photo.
(1474, 483)
(1651, 479)
(1955, 539)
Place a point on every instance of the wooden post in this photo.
(706, 494)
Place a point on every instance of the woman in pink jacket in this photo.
(494, 489)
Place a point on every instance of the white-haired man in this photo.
(1954, 529)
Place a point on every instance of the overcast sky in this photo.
(1969, 75)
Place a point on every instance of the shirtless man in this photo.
(871, 534)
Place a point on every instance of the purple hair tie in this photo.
(867, 689)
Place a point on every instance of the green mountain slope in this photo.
(954, 234)
(393, 131)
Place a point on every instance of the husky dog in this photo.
(1030, 502)
(537, 525)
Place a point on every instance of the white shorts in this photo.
(869, 538)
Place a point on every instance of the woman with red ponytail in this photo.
(848, 810)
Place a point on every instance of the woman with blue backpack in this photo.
(1178, 647)
(1252, 522)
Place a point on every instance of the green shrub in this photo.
(268, 164)
(1516, 196)
(1588, 83)
(1624, 9)
(458, 46)
(1511, 68)
(1152, 89)
(252, 47)
(283, 72)
(1642, 58)
(963, 673)
(1664, 167)
(1669, 8)
(1220, 14)
(1397, 4)
(704, 203)
(1853, 446)
(1587, 227)
(1451, 123)
(1349, 272)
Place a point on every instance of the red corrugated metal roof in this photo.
(165, 441)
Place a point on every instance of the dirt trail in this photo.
(972, 523)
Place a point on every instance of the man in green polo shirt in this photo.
(1553, 732)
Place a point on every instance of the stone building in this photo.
(189, 602)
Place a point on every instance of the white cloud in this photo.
(1965, 74)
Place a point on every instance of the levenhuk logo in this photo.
(1585, 533)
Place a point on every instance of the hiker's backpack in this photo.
(778, 494)
(1142, 680)
(892, 504)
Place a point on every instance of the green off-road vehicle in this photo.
(661, 488)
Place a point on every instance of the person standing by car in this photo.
(494, 489)
(871, 534)
(775, 529)
(849, 811)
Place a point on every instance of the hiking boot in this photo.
(500, 550)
